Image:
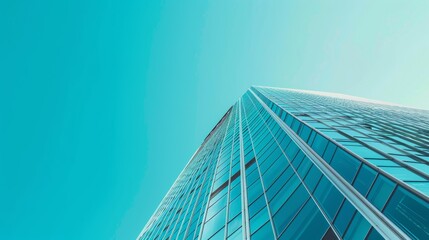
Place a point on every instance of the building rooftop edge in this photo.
(346, 97)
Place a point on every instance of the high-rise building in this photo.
(291, 164)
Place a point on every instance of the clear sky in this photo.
(103, 102)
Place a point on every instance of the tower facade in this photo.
(291, 164)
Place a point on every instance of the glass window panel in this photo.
(285, 214)
(311, 138)
(421, 186)
(234, 224)
(318, 125)
(380, 191)
(236, 167)
(235, 207)
(312, 178)
(289, 120)
(419, 166)
(344, 216)
(308, 224)
(275, 170)
(334, 134)
(283, 115)
(254, 191)
(258, 220)
(291, 150)
(256, 206)
(364, 179)
(319, 144)
(345, 164)
(216, 207)
(218, 235)
(218, 196)
(276, 186)
(235, 192)
(249, 155)
(296, 125)
(382, 162)
(374, 235)
(304, 133)
(329, 152)
(383, 147)
(273, 156)
(251, 170)
(402, 173)
(214, 224)
(364, 152)
(298, 159)
(328, 197)
(237, 235)
(304, 167)
(265, 232)
(410, 213)
(285, 141)
(284, 193)
(358, 228)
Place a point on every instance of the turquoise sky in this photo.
(103, 102)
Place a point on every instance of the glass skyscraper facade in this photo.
(291, 164)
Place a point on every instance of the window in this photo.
(312, 178)
(235, 208)
(265, 232)
(234, 224)
(345, 165)
(257, 205)
(374, 235)
(258, 220)
(319, 144)
(380, 192)
(328, 197)
(304, 167)
(358, 228)
(214, 224)
(344, 217)
(284, 193)
(308, 224)
(288, 210)
(278, 183)
(254, 191)
(291, 150)
(237, 235)
(364, 179)
(304, 132)
(410, 213)
(329, 152)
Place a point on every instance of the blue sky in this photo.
(103, 102)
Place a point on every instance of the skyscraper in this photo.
(291, 164)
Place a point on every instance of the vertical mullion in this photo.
(244, 206)
(229, 182)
